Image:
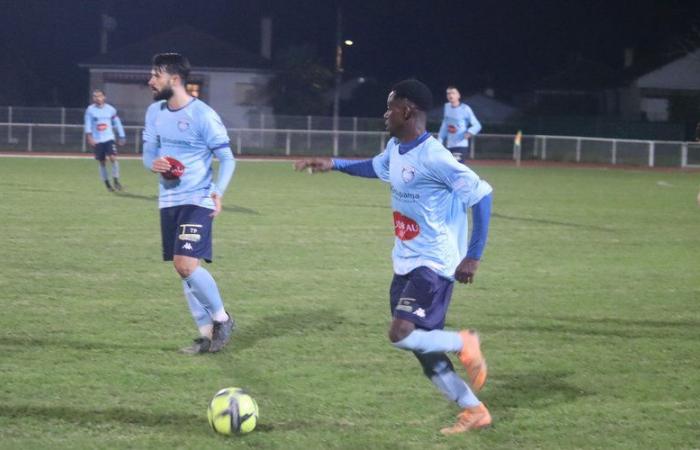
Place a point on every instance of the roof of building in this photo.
(202, 49)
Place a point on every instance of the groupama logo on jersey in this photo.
(405, 228)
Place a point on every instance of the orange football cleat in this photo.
(473, 418)
(472, 359)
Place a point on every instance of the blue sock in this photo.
(439, 369)
(115, 169)
(199, 313)
(422, 341)
(204, 288)
(103, 172)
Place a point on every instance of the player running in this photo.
(431, 193)
(100, 120)
(182, 127)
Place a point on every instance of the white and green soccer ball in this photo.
(232, 411)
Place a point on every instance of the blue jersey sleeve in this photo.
(88, 121)
(481, 215)
(457, 177)
(362, 168)
(227, 165)
(213, 131)
(380, 163)
(151, 148)
(473, 124)
(442, 134)
(117, 123)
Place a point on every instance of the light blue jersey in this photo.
(192, 134)
(101, 121)
(456, 122)
(430, 193)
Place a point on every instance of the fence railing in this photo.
(31, 137)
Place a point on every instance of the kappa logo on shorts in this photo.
(420, 312)
(187, 246)
(190, 232)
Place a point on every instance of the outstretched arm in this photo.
(363, 168)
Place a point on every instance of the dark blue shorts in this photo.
(186, 230)
(104, 149)
(422, 297)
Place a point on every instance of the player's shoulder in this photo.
(433, 150)
(156, 106)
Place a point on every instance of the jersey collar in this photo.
(408, 146)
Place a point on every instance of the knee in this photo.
(399, 330)
(184, 268)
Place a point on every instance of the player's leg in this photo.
(419, 302)
(100, 156)
(192, 243)
(112, 155)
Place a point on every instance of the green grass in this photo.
(588, 300)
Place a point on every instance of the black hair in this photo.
(414, 91)
(173, 64)
(94, 91)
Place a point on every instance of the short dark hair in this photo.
(416, 92)
(452, 86)
(96, 90)
(173, 64)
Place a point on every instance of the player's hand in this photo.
(313, 165)
(217, 204)
(121, 142)
(160, 165)
(91, 142)
(466, 270)
(468, 135)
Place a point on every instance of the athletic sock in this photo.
(221, 315)
(199, 312)
(431, 341)
(204, 288)
(103, 172)
(115, 169)
(439, 369)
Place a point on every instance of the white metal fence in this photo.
(32, 137)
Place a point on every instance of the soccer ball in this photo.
(231, 411)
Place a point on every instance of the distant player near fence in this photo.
(101, 120)
(459, 124)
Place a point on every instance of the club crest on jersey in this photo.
(405, 228)
(408, 174)
(183, 125)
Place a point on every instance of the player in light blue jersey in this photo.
(459, 125)
(430, 195)
(100, 121)
(181, 128)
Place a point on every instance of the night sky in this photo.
(506, 44)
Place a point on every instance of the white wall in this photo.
(221, 94)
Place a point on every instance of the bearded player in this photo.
(183, 131)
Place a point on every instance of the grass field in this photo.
(588, 300)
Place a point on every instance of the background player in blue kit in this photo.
(185, 128)
(459, 124)
(431, 193)
(100, 121)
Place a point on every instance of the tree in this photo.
(300, 86)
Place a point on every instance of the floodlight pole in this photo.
(338, 74)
